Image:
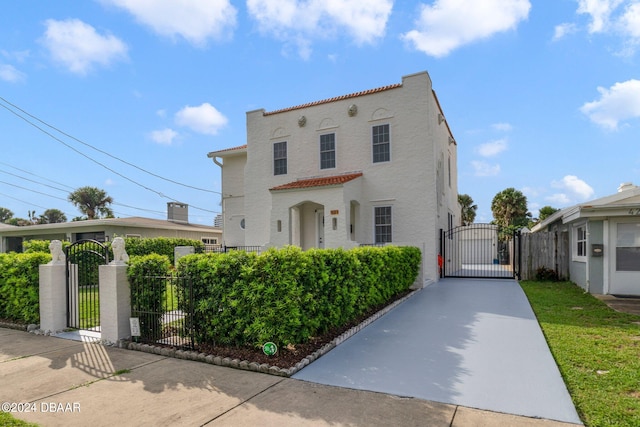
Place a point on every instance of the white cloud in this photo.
(504, 127)
(194, 20)
(299, 22)
(630, 21)
(492, 148)
(485, 169)
(563, 29)
(574, 190)
(449, 24)
(10, 74)
(79, 47)
(620, 102)
(164, 136)
(202, 119)
(600, 12)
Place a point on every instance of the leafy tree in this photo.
(52, 216)
(5, 214)
(20, 222)
(468, 208)
(509, 209)
(546, 212)
(92, 202)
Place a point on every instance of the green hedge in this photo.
(19, 286)
(147, 279)
(31, 246)
(157, 245)
(289, 295)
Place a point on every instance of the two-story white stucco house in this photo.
(373, 167)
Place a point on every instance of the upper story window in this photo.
(381, 144)
(280, 158)
(382, 216)
(328, 151)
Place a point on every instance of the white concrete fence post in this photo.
(115, 296)
(53, 297)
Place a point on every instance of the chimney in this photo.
(626, 186)
(178, 212)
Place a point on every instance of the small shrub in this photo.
(544, 274)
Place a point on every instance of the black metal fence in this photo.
(225, 249)
(163, 306)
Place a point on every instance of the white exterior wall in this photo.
(408, 183)
(233, 174)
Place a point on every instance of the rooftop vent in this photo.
(626, 186)
(178, 212)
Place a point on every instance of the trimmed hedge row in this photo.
(158, 245)
(289, 295)
(20, 286)
(134, 246)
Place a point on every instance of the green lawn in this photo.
(7, 420)
(89, 306)
(596, 348)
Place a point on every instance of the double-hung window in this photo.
(382, 216)
(328, 151)
(381, 144)
(580, 242)
(280, 158)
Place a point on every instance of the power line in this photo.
(95, 161)
(60, 189)
(106, 153)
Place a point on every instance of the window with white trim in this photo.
(382, 220)
(580, 242)
(209, 240)
(328, 151)
(381, 143)
(280, 158)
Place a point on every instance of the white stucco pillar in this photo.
(53, 297)
(115, 302)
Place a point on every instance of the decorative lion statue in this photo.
(119, 253)
(57, 254)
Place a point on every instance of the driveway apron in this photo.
(469, 342)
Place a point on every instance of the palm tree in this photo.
(92, 202)
(509, 208)
(52, 216)
(468, 212)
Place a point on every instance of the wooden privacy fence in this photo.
(544, 250)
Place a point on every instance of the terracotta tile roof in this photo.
(226, 150)
(337, 98)
(318, 182)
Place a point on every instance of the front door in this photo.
(625, 257)
(320, 228)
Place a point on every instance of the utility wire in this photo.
(106, 153)
(95, 161)
(66, 191)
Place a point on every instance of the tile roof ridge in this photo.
(334, 99)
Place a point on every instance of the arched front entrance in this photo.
(307, 225)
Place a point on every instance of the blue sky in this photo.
(543, 96)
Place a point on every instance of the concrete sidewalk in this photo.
(71, 383)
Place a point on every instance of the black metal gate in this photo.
(83, 299)
(480, 251)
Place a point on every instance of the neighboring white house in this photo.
(373, 167)
(604, 236)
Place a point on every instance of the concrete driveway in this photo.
(469, 342)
